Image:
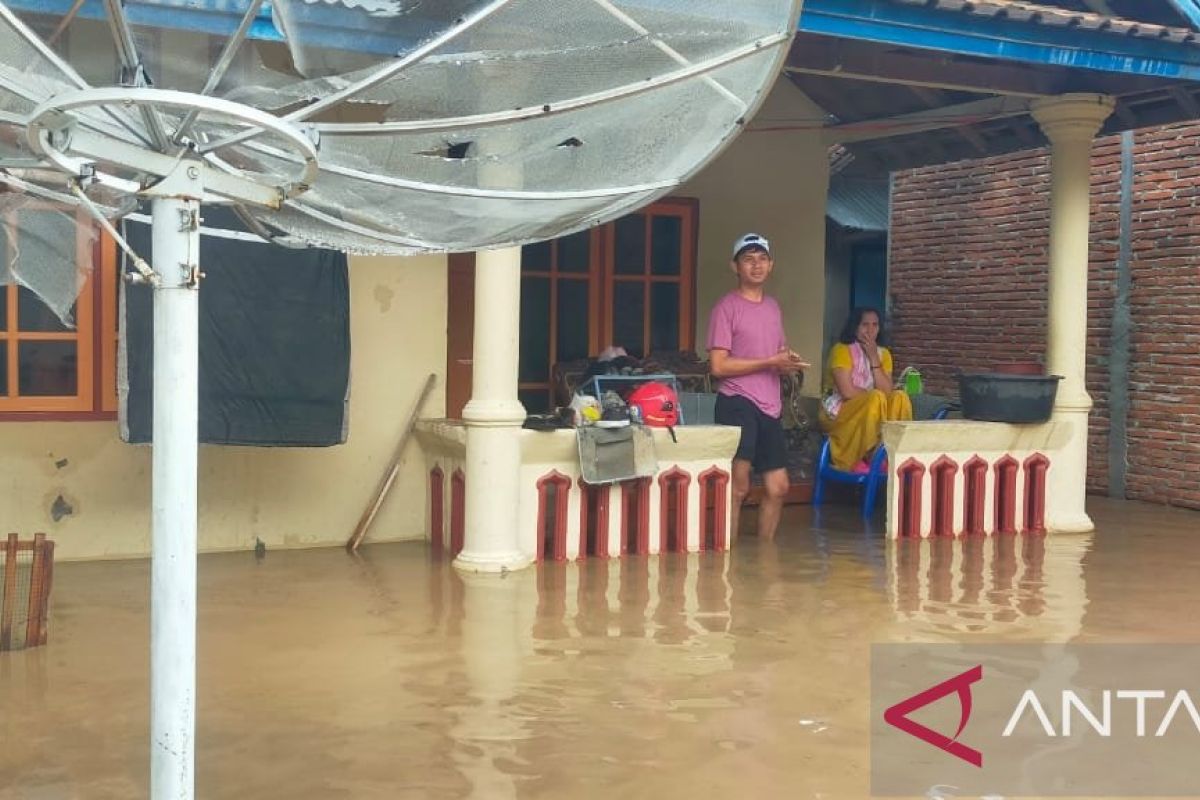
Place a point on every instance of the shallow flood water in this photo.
(744, 674)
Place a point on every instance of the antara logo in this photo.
(1103, 724)
(897, 715)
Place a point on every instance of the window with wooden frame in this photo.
(650, 279)
(560, 304)
(47, 369)
(630, 283)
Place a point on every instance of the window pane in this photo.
(536, 257)
(3, 368)
(34, 315)
(535, 330)
(629, 305)
(666, 245)
(664, 317)
(575, 252)
(47, 369)
(629, 234)
(572, 320)
(536, 401)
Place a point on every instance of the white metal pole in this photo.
(176, 250)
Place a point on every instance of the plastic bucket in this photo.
(996, 397)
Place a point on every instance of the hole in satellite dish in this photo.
(572, 142)
(456, 151)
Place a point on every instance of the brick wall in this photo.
(967, 278)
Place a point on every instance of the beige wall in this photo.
(773, 183)
(770, 182)
(288, 497)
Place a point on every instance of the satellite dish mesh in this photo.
(395, 126)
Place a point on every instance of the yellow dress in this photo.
(856, 430)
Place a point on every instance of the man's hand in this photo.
(788, 361)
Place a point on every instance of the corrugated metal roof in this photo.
(1019, 11)
(859, 203)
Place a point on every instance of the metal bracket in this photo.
(194, 276)
(189, 219)
(184, 181)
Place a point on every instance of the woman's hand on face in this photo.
(870, 350)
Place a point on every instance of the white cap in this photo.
(751, 240)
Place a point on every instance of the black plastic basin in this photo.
(997, 397)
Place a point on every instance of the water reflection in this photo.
(1023, 585)
(668, 599)
(596, 660)
(532, 643)
(487, 730)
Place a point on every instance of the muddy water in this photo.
(741, 675)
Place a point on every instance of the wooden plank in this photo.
(47, 583)
(959, 116)
(37, 593)
(9, 600)
(834, 58)
(385, 486)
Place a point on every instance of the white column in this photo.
(493, 418)
(176, 256)
(1070, 122)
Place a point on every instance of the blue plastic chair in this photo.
(870, 480)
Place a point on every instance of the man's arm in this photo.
(723, 365)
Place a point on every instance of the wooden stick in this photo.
(37, 592)
(8, 600)
(368, 516)
(49, 582)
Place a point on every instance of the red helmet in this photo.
(658, 404)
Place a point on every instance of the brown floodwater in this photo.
(323, 675)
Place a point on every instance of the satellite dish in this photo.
(438, 126)
(376, 126)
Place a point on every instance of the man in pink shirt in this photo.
(748, 351)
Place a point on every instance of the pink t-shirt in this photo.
(749, 330)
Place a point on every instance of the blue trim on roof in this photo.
(1190, 9)
(218, 17)
(1003, 39)
(330, 26)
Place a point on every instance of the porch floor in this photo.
(385, 676)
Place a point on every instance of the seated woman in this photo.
(860, 394)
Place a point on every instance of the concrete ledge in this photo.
(961, 436)
(696, 442)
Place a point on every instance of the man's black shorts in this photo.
(762, 442)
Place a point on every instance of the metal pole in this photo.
(176, 250)
(1122, 326)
